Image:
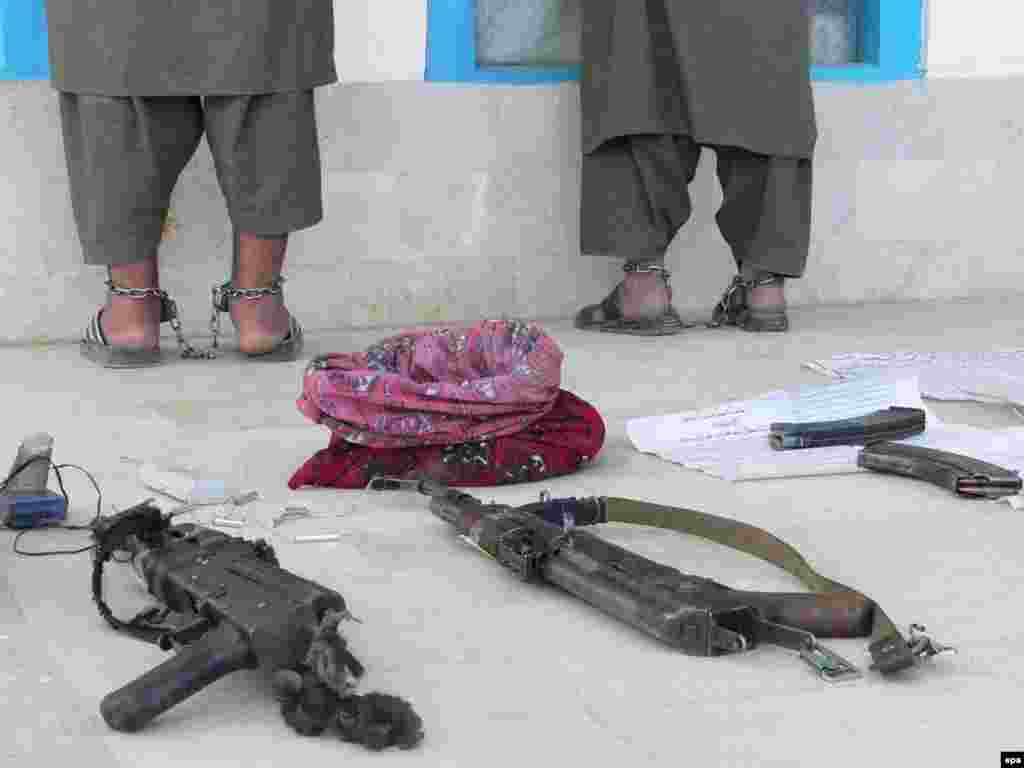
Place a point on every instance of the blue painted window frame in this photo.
(893, 43)
(23, 51)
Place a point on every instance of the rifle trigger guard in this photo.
(170, 635)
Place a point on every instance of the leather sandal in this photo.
(734, 307)
(607, 316)
(287, 349)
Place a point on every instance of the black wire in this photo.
(67, 499)
(18, 470)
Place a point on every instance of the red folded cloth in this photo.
(471, 405)
(560, 442)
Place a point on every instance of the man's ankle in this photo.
(137, 274)
(771, 294)
(752, 273)
(645, 293)
(259, 261)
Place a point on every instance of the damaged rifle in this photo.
(543, 542)
(226, 605)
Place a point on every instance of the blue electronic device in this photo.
(25, 501)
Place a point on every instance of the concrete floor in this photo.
(505, 674)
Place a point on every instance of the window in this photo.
(23, 54)
(535, 41)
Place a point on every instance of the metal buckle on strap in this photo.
(922, 646)
(727, 641)
(829, 665)
(893, 654)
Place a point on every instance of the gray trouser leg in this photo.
(125, 154)
(635, 196)
(267, 155)
(766, 214)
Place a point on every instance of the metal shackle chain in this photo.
(169, 307)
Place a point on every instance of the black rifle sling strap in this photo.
(143, 627)
(889, 650)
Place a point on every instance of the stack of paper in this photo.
(731, 440)
(992, 376)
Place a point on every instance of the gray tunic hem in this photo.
(255, 90)
(633, 127)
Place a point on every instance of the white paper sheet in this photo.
(737, 418)
(995, 376)
(731, 440)
(651, 433)
(845, 400)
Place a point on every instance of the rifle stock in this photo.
(219, 652)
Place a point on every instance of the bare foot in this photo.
(128, 321)
(644, 295)
(261, 323)
(131, 322)
(770, 295)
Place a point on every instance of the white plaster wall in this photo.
(381, 40)
(980, 38)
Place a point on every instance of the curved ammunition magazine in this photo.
(963, 475)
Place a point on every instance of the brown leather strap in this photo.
(829, 602)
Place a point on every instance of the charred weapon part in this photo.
(544, 542)
(893, 423)
(962, 475)
(226, 604)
